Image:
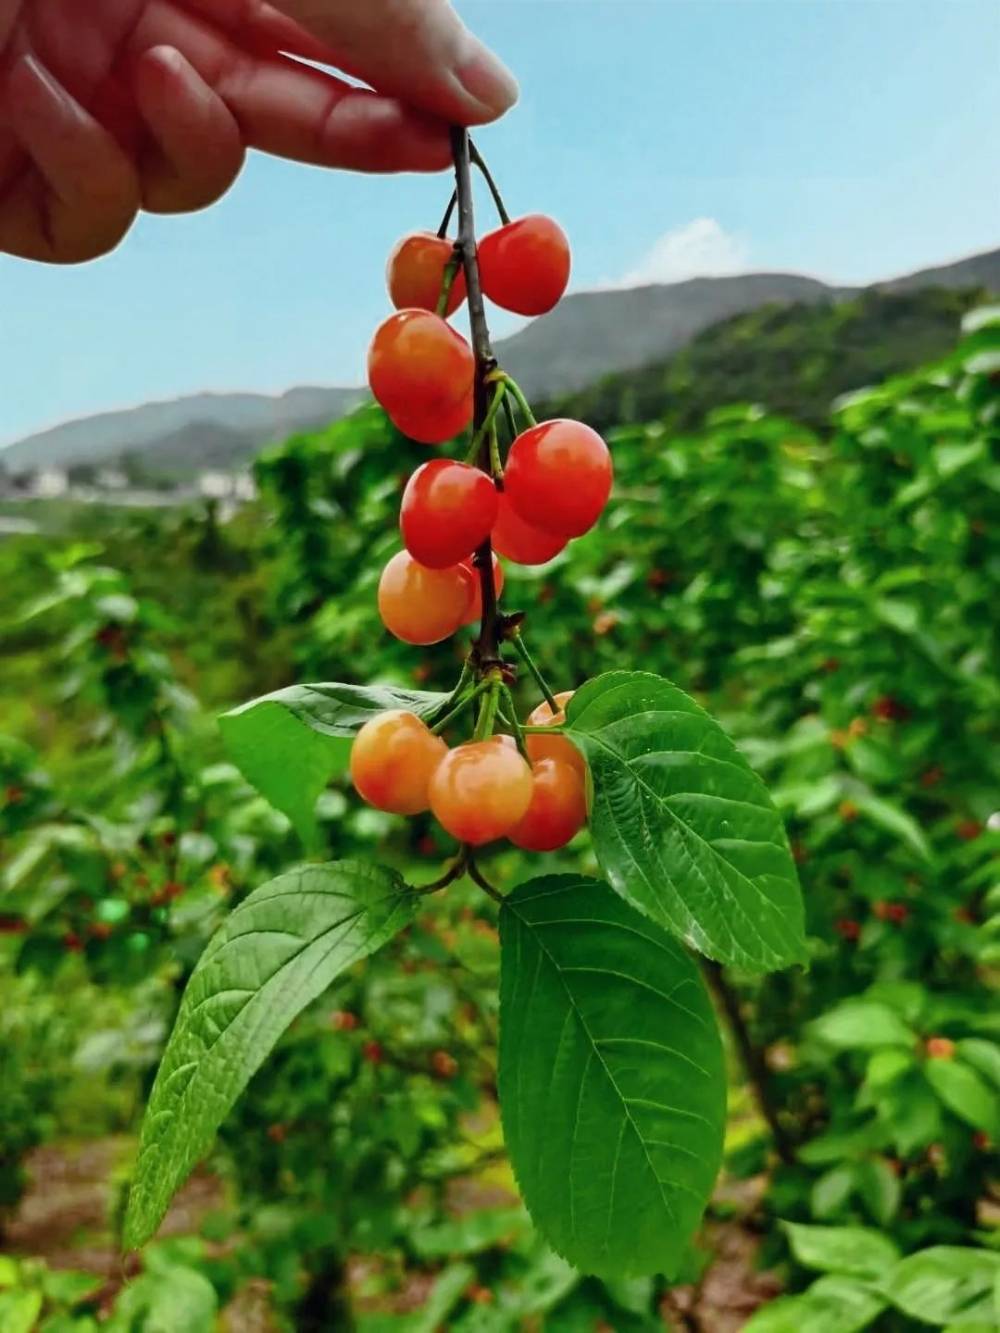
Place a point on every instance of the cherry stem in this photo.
(455, 871)
(442, 231)
(515, 726)
(477, 877)
(521, 648)
(488, 643)
(488, 709)
(448, 282)
(459, 708)
(522, 402)
(483, 431)
(487, 175)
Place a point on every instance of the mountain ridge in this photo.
(589, 336)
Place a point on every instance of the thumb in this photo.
(418, 51)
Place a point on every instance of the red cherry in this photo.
(415, 273)
(525, 265)
(558, 477)
(434, 427)
(558, 809)
(475, 611)
(448, 510)
(481, 790)
(421, 605)
(519, 541)
(392, 761)
(421, 370)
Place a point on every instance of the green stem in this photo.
(488, 710)
(496, 467)
(515, 726)
(487, 425)
(448, 282)
(521, 401)
(459, 708)
(455, 871)
(446, 220)
(521, 648)
(477, 877)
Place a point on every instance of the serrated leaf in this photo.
(857, 1024)
(965, 1094)
(275, 954)
(831, 1305)
(683, 828)
(291, 743)
(851, 1251)
(612, 1086)
(946, 1284)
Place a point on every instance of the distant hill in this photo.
(792, 359)
(592, 335)
(209, 429)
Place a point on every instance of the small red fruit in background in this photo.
(421, 605)
(392, 760)
(421, 371)
(342, 1020)
(519, 541)
(525, 265)
(553, 747)
(481, 790)
(372, 1052)
(415, 273)
(444, 1065)
(448, 509)
(969, 829)
(558, 477)
(940, 1048)
(558, 809)
(475, 611)
(848, 929)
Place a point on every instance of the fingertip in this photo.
(487, 81)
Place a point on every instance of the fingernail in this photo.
(486, 79)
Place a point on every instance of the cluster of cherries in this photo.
(552, 487)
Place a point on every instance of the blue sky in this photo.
(851, 139)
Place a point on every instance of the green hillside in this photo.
(793, 359)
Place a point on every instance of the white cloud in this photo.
(698, 249)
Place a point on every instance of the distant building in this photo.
(111, 479)
(49, 483)
(215, 485)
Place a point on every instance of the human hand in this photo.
(117, 105)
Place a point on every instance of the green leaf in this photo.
(831, 1305)
(612, 1086)
(683, 828)
(290, 744)
(852, 1251)
(276, 953)
(946, 1284)
(19, 1310)
(447, 1291)
(163, 1302)
(831, 1191)
(892, 819)
(880, 1189)
(861, 1024)
(965, 1094)
(981, 1055)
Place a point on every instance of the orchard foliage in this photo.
(611, 1078)
(829, 596)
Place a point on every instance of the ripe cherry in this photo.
(393, 759)
(421, 605)
(448, 510)
(415, 273)
(558, 477)
(524, 266)
(421, 371)
(434, 427)
(475, 611)
(558, 809)
(940, 1048)
(481, 790)
(519, 541)
(553, 747)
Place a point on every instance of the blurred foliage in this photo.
(828, 589)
